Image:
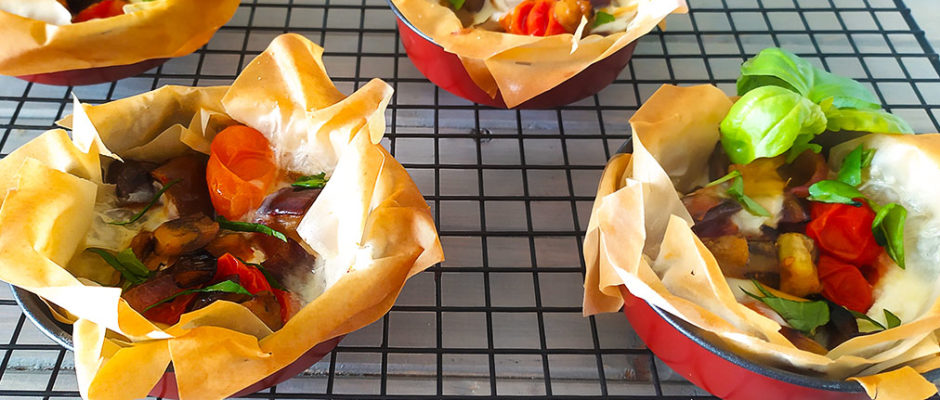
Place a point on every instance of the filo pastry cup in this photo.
(521, 67)
(640, 236)
(151, 30)
(370, 227)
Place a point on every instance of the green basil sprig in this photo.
(311, 181)
(125, 262)
(457, 4)
(248, 227)
(786, 101)
(601, 18)
(149, 205)
(224, 286)
(804, 316)
(736, 191)
(830, 191)
(888, 228)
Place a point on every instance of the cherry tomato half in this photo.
(844, 284)
(241, 169)
(844, 231)
(249, 277)
(103, 9)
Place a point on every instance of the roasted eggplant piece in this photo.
(807, 169)
(717, 220)
(236, 243)
(193, 270)
(190, 195)
(132, 181)
(802, 341)
(842, 325)
(283, 209)
(731, 253)
(762, 264)
(184, 235)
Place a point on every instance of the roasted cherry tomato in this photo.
(844, 284)
(241, 169)
(844, 231)
(535, 18)
(286, 300)
(103, 9)
(169, 312)
(249, 277)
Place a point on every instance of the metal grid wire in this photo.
(511, 192)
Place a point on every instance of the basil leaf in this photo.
(457, 4)
(602, 18)
(893, 320)
(224, 286)
(776, 67)
(125, 262)
(267, 275)
(804, 316)
(801, 144)
(844, 92)
(248, 227)
(311, 181)
(851, 171)
(888, 229)
(736, 191)
(876, 121)
(766, 122)
(731, 175)
(866, 318)
(829, 191)
(149, 205)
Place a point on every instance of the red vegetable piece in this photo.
(844, 231)
(170, 312)
(241, 170)
(519, 16)
(103, 9)
(539, 17)
(844, 284)
(285, 299)
(249, 277)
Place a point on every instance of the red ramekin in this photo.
(721, 372)
(446, 70)
(91, 76)
(38, 312)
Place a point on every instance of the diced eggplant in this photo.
(807, 169)
(235, 243)
(190, 195)
(842, 325)
(152, 291)
(283, 209)
(193, 270)
(701, 201)
(798, 275)
(186, 234)
(132, 181)
(284, 259)
(731, 253)
(266, 307)
(142, 245)
(718, 162)
(762, 264)
(794, 215)
(802, 341)
(717, 221)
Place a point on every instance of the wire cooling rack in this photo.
(511, 192)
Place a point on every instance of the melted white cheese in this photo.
(749, 224)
